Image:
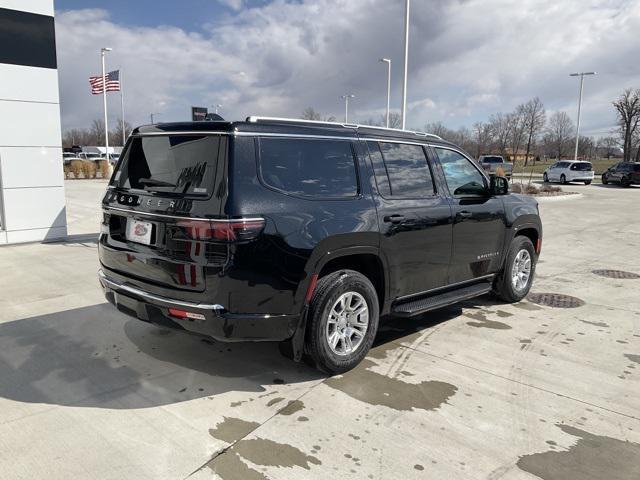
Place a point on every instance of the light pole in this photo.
(103, 52)
(581, 75)
(216, 107)
(151, 115)
(406, 62)
(388, 62)
(346, 106)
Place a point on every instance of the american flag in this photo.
(112, 79)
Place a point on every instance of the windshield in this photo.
(171, 164)
(492, 160)
(582, 166)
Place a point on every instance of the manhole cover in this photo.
(616, 274)
(555, 300)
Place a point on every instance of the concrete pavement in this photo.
(482, 391)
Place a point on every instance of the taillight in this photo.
(224, 231)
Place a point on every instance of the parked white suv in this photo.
(569, 171)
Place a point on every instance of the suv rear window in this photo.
(581, 166)
(171, 164)
(309, 167)
(492, 160)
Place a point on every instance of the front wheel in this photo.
(563, 179)
(343, 321)
(516, 278)
(605, 181)
(545, 178)
(587, 182)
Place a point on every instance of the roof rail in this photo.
(256, 119)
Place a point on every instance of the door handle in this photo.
(464, 214)
(393, 218)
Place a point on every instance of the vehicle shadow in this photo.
(97, 357)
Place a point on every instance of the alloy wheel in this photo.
(521, 270)
(347, 324)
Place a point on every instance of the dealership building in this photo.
(32, 200)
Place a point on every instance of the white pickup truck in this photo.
(491, 163)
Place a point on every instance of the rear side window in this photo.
(636, 167)
(401, 170)
(171, 164)
(309, 167)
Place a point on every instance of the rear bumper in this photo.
(218, 322)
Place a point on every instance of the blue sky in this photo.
(468, 58)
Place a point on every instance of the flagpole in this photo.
(103, 51)
(124, 136)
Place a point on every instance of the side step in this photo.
(421, 305)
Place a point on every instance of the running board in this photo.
(416, 307)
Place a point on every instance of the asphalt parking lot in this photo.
(482, 390)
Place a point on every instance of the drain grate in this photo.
(555, 300)
(616, 274)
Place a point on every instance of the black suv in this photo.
(306, 232)
(624, 173)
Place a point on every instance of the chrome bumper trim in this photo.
(114, 285)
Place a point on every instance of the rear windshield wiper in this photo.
(152, 182)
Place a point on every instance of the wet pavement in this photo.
(481, 390)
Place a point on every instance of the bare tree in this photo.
(628, 109)
(395, 120)
(115, 135)
(310, 113)
(482, 138)
(517, 129)
(586, 147)
(500, 126)
(535, 118)
(608, 146)
(560, 131)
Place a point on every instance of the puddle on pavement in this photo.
(292, 407)
(597, 324)
(592, 457)
(233, 429)
(376, 389)
(633, 358)
(260, 451)
(484, 322)
(274, 401)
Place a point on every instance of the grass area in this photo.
(599, 165)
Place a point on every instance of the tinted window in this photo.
(313, 168)
(172, 164)
(27, 39)
(461, 176)
(581, 166)
(492, 160)
(407, 169)
(636, 167)
(380, 170)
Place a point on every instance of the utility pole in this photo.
(581, 75)
(346, 106)
(388, 62)
(406, 63)
(103, 53)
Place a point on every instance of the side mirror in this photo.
(499, 186)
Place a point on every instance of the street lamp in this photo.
(216, 107)
(388, 62)
(346, 106)
(103, 52)
(581, 75)
(151, 115)
(406, 62)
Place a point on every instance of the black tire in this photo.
(563, 179)
(327, 293)
(604, 179)
(503, 286)
(587, 182)
(545, 178)
(625, 182)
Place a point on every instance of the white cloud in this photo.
(232, 4)
(468, 58)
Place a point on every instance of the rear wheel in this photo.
(587, 182)
(342, 322)
(563, 179)
(545, 177)
(515, 281)
(625, 182)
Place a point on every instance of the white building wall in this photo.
(32, 200)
